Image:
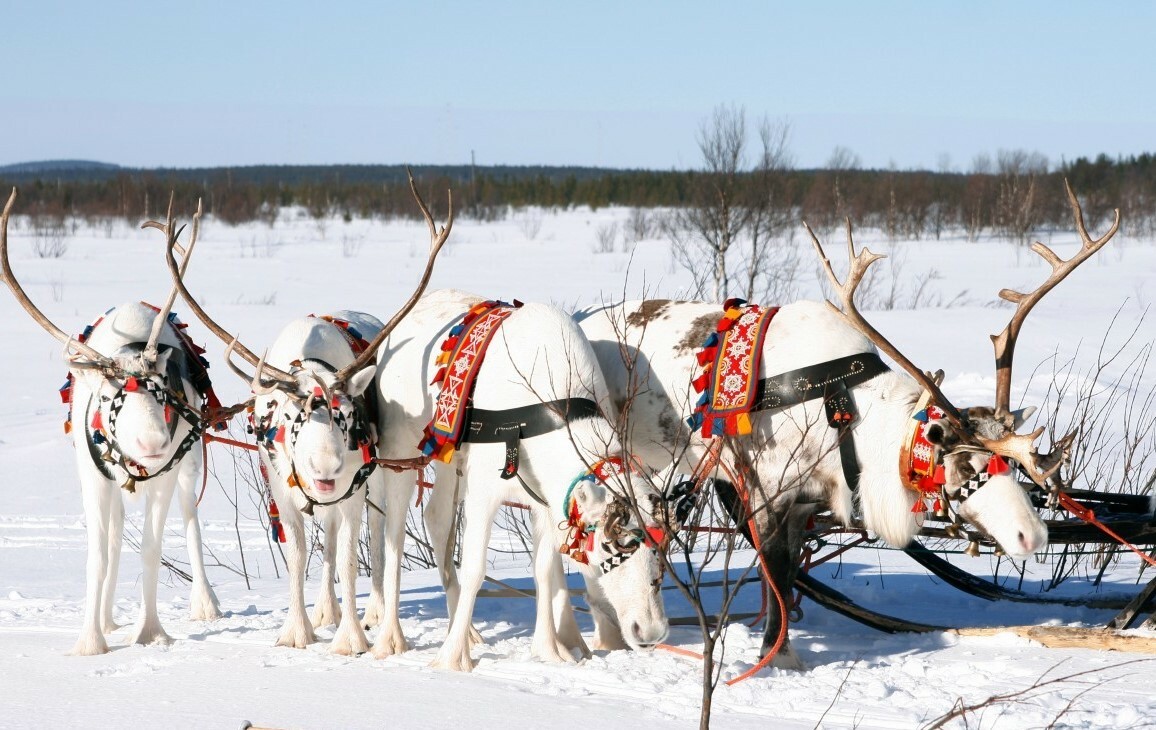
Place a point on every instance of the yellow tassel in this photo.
(446, 453)
(293, 480)
(743, 423)
(734, 313)
(443, 358)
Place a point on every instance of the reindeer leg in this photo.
(157, 500)
(481, 504)
(115, 542)
(350, 637)
(98, 495)
(297, 632)
(398, 490)
(607, 632)
(555, 630)
(376, 496)
(325, 610)
(203, 604)
(781, 549)
(441, 522)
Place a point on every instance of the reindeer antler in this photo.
(859, 264)
(1038, 466)
(1005, 341)
(72, 346)
(178, 272)
(437, 239)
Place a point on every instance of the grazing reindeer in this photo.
(537, 366)
(315, 433)
(816, 361)
(135, 423)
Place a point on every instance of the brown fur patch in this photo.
(647, 313)
(699, 330)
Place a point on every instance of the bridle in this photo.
(355, 433)
(622, 541)
(98, 434)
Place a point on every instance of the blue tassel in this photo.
(718, 427)
(921, 416)
(97, 438)
(455, 331)
(703, 399)
(695, 421)
(711, 341)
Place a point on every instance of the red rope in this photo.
(1087, 515)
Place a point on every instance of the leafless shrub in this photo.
(1112, 409)
(49, 237)
(530, 223)
(605, 237)
(640, 225)
(351, 245)
(1040, 688)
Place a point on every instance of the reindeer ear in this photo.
(1021, 416)
(591, 499)
(361, 380)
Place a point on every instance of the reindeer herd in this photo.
(582, 417)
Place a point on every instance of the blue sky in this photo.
(622, 84)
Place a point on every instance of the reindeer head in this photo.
(620, 551)
(133, 370)
(308, 417)
(978, 446)
(315, 429)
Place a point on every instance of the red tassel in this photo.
(919, 506)
(940, 476)
(439, 377)
(705, 356)
(701, 382)
(280, 437)
(168, 413)
(130, 385)
(365, 456)
(317, 392)
(450, 344)
(97, 422)
(997, 466)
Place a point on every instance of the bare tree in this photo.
(1018, 206)
(733, 199)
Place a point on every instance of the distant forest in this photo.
(1010, 198)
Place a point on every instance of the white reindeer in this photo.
(315, 434)
(135, 426)
(538, 355)
(792, 460)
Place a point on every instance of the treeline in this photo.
(1015, 198)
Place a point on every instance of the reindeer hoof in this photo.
(390, 643)
(89, 646)
(349, 642)
(551, 651)
(297, 638)
(373, 614)
(454, 661)
(476, 638)
(152, 635)
(204, 606)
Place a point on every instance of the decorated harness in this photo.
(356, 431)
(166, 388)
(456, 421)
(730, 359)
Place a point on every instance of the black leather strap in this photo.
(511, 425)
(798, 386)
(832, 381)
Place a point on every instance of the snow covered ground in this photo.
(253, 278)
